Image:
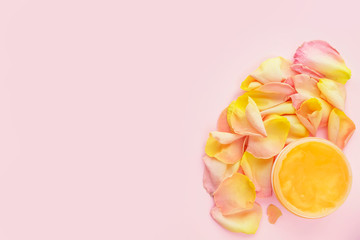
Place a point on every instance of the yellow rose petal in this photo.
(273, 70)
(340, 128)
(246, 221)
(226, 147)
(235, 193)
(307, 88)
(271, 94)
(297, 129)
(215, 172)
(333, 92)
(244, 117)
(250, 83)
(310, 114)
(277, 128)
(259, 172)
(281, 109)
(325, 112)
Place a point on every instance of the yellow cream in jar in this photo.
(311, 177)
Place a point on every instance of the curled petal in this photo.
(273, 213)
(259, 172)
(246, 221)
(310, 114)
(235, 194)
(271, 94)
(215, 172)
(277, 128)
(250, 83)
(333, 92)
(306, 86)
(325, 112)
(222, 123)
(297, 130)
(273, 70)
(340, 128)
(322, 59)
(225, 147)
(244, 117)
(281, 109)
(252, 114)
(297, 99)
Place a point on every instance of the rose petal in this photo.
(289, 81)
(277, 128)
(340, 128)
(224, 137)
(333, 92)
(273, 213)
(281, 109)
(306, 86)
(215, 172)
(299, 68)
(235, 193)
(259, 172)
(273, 70)
(310, 114)
(246, 221)
(325, 112)
(244, 117)
(277, 87)
(225, 147)
(297, 99)
(250, 83)
(232, 152)
(271, 94)
(297, 130)
(322, 59)
(222, 123)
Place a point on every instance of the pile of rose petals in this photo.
(283, 101)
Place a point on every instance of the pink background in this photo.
(105, 107)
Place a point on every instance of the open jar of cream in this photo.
(311, 177)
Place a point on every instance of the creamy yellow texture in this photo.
(314, 178)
